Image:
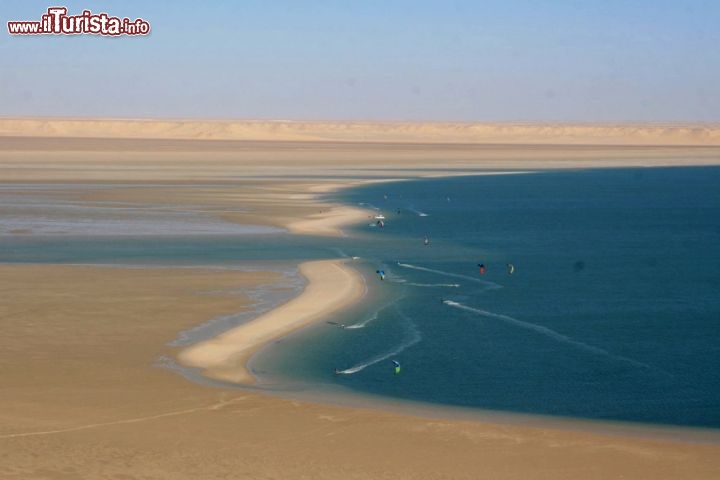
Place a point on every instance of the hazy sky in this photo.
(495, 60)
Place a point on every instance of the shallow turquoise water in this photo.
(613, 311)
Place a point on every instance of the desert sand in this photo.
(330, 287)
(84, 396)
(390, 132)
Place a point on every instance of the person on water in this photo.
(426, 242)
(481, 267)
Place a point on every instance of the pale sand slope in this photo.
(428, 132)
(82, 399)
(329, 222)
(330, 286)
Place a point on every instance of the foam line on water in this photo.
(417, 212)
(559, 337)
(371, 318)
(370, 205)
(402, 281)
(412, 336)
(488, 284)
(364, 322)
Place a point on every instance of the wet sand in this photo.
(330, 287)
(83, 396)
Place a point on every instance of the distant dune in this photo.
(386, 132)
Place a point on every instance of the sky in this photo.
(608, 61)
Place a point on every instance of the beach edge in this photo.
(331, 287)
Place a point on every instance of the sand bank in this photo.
(391, 132)
(331, 286)
(330, 222)
(82, 397)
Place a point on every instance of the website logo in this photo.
(57, 22)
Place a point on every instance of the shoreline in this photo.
(329, 222)
(82, 398)
(331, 286)
(82, 391)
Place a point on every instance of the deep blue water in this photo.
(612, 312)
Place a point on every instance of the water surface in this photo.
(611, 313)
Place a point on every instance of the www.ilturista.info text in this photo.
(57, 22)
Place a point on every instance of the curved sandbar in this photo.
(329, 223)
(331, 286)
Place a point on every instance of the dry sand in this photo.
(329, 222)
(82, 396)
(330, 287)
(391, 132)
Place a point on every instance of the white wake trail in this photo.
(418, 212)
(548, 333)
(412, 337)
(370, 205)
(363, 323)
(488, 284)
(371, 318)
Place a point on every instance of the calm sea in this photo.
(612, 310)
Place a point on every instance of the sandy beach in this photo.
(330, 286)
(83, 395)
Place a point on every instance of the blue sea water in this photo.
(612, 312)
